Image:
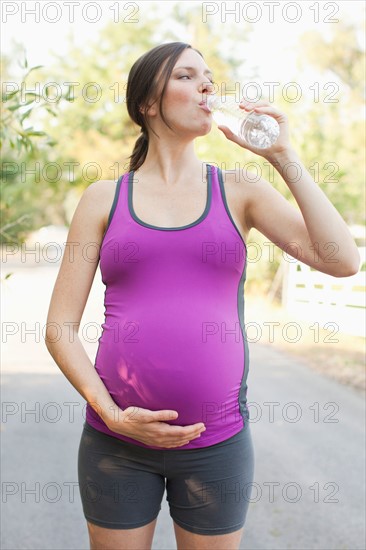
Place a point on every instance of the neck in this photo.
(170, 161)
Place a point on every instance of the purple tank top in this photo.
(174, 333)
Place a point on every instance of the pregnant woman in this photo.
(167, 395)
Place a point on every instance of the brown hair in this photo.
(142, 85)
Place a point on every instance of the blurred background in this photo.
(64, 71)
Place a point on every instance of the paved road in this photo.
(310, 474)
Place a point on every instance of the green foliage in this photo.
(18, 105)
(334, 134)
(24, 147)
(342, 55)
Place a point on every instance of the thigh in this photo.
(121, 539)
(186, 539)
(120, 484)
(209, 489)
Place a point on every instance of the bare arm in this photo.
(316, 234)
(69, 297)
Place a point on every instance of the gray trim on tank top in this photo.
(241, 305)
(243, 385)
(223, 194)
(114, 205)
(196, 222)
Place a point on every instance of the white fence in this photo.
(315, 296)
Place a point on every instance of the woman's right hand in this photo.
(150, 427)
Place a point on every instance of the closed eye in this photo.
(186, 76)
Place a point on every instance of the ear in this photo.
(150, 111)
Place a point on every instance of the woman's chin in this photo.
(205, 129)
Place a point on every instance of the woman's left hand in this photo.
(282, 143)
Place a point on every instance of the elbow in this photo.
(349, 265)
(51, 336)
(352, 271)
(48, 344)
(349, 269)
(355, 266)
(345, 273)
(60, 332)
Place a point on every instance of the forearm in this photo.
(72, 359)
(326, 228)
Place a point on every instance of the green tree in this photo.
(24, 146)
(336, 134)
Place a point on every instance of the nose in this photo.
(206, 87)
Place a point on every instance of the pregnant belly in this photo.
(199, 381)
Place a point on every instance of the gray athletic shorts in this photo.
(208, 490)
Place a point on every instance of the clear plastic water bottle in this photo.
(258, 130)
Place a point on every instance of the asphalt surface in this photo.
(309, 485)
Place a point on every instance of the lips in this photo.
(204, 106)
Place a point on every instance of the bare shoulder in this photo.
(102, 193)
(256, 197)
(102, 188)
(240, 187)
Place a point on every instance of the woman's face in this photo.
(183, 102)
